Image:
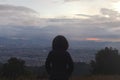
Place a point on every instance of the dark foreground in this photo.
(93, 77)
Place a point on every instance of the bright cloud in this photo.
(57, 8)
(93, 39)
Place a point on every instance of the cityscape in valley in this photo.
(36, 52)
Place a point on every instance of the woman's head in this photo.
(60, 43)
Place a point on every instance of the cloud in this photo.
(114, 0)
(70, 0)
(19, 16)
(96, 26)
(90, 0)
(25, 20)
(84, 15)
(110, 13)
(77, 0)
(16, 8)
(93, 39)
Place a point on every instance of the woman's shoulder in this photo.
(52, 52)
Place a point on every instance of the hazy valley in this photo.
(36, 50)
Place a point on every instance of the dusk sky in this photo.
(97, 20)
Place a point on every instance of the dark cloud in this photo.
(84, 15)
(100, 26)
(111, 13)
(18, 21)
(16, 8)
(18, 16)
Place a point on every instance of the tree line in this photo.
(106, 62)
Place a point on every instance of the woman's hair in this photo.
(60, 43)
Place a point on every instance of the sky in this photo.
(94, 20)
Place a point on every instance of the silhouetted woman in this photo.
(59, 63)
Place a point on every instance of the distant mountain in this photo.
(35, 36)
(23, 43)
(46, 42)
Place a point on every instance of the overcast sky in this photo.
(58, 8)
(97, 20)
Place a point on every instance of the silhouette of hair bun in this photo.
(60, 43)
